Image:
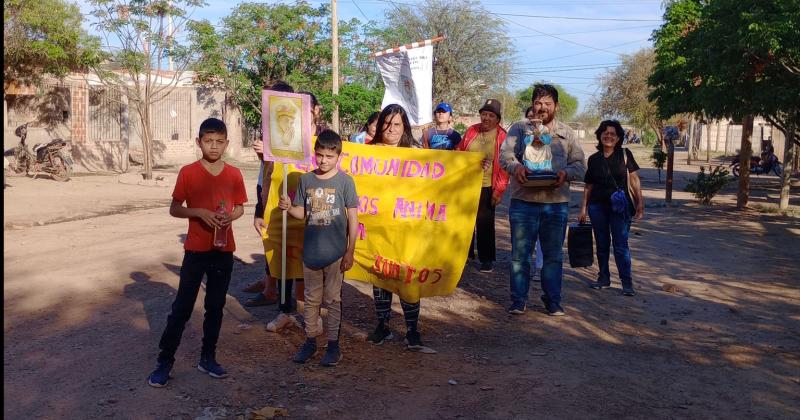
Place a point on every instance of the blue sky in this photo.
(571, 52)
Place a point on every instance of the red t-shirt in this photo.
(199, 189)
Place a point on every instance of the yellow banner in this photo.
(416, 215)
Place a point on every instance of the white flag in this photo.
(408, 77)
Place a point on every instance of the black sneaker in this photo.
(260, 300)
(486, 267)
(597, 285)
(160, 376)
(414, 341)
(209, 365)
(628, 291)
(306, 352)
(381, 334)
(517, 308)
(332, 356)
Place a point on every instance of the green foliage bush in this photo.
(706, 186)
(460, 127)
(658, 157)
(649, 138)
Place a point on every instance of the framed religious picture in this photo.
(286, 127)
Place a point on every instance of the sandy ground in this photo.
(90, 270)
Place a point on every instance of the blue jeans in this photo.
(548, 223)
(611, 227)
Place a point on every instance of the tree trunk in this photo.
(147, 133)
(745, 152)
(690, 144)
(670, 162)
(789, 154)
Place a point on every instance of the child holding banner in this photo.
(326, 198)
(268, 290)
(394, 130)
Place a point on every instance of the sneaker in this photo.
(332, 355)
(555, 309)
(517, 308)
(210, 366)
(486, 267)
(381, 334)
(255, 287)
(260, 300)
(413, 341)
(597, 285)
(306, 352)
(628, 291)
(282, 321)
(159, 377)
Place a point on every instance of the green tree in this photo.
(624, 92)
(42, 38)
(731, 59)
(567, 104)
(472, 61)
(140, 42)
(259, 44)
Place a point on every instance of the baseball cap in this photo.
(444, 106)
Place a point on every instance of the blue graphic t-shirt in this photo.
(442, 139)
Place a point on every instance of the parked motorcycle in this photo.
(45, 158)
(758, 165)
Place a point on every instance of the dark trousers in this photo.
(484, 228)
(217, 267)
(383, 308)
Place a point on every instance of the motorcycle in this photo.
(758, 166)
(45, 158)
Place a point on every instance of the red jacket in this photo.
(499, 176)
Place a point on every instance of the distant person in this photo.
(540, 212)
(203, 186)
(316, 112)
(610, 169)
(487, 137)
(267, 288)
(326, 199)
(441, 135)
(368, 131)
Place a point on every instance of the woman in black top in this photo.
(608, 170)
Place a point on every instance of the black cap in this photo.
(493, 105)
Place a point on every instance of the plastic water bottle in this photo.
(221, 234)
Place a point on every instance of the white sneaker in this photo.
(282, 321)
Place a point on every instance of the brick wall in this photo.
(79, 113)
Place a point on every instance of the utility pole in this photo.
(335, 45)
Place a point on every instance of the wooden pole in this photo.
(335, 59)
(283, 236)
(409, 46)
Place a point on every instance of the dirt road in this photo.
(85, 301)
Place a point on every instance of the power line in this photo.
(586, 32)
(359, 9)
(577, 18)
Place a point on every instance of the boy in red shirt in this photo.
(204, 186)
